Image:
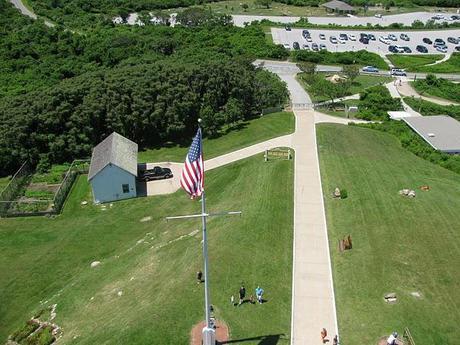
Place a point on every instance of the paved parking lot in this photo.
(281, 36)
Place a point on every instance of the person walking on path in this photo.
(324, 335)
(232, 300)
(259, 293)
(242, 294)
(199, 276)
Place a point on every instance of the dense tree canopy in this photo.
(62, 92)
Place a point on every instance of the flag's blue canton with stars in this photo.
(192, 177)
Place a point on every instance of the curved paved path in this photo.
(406, 89)
(25, 11)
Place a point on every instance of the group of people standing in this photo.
(242, 295)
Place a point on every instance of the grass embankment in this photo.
(413, 63)
(399, 245)
(428, 108)
(49, 260)
(249, 133)
(360, 58)
(4, 182)
(440, 88)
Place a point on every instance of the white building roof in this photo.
(398, 115)
(441, 132)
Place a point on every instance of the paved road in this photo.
(406, 19)
(407, 90)
(287, 38)
(25, 11)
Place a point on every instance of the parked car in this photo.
(364, 40)
(439, 42)
(287, 46)
(427, 40)
(314, 47)
(404, 37)
(322, 46)
(392, 37)
(362, 34)
(157, 173)
(398, 72)
(343, 37)
(457, 48)
(406, 50)
(333, 39)
(437, 17)
(421, 49)
(377, 15)
(442, 49)
(305, 33)
(372, 37)
(306, 47)
(287, 28)
(296, 45)
(322, 36)
(370, 69)
(452, 40)
(352, 37)
(455, 17)
(384, 39)
(308, 39)
(392, 49)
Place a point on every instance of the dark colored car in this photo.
(363, 35)
(371, 37)
(305, 33)
(314, 47)
(457, 48)
(404, 37)
(421, 49)
(296, 45)
(364, 40)
(157, 173)
(427, 40)
(288, 28)
(452, 40)
(343, 37)
(407, 50)
(392, 49)
(439, 42)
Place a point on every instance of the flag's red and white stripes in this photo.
(192, 177)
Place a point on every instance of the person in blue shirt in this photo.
(259, 293)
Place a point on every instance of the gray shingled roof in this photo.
(338, 5)
(441, 132)
(116, 150)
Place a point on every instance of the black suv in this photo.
(305, 33)
(157, 173)
(296, 45)
(421, 49)
(427, 40)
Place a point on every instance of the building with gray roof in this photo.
(338, 7)
(441, 132)
(113, 169)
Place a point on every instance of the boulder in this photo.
(337, 192)
(95, 264)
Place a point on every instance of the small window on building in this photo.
(125, 188)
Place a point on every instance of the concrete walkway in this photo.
(407, 90)
(393, 89)
(25, 11)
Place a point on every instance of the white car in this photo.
(392, 37)
(322, 36)
(333, 39)
(377, 15)
(286, 45)
(309, 39)
(399, 49)
(306, 47)
(322, 47)
(342, 41)
(442, 49)
(352, 37)
(384, 39)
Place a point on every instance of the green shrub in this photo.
(43, 337)
(428, 108)
(343, 194)
(28, 328)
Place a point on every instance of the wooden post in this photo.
(266, 156)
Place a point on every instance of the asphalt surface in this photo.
(25, 11)
(287, 38)
(404, 18)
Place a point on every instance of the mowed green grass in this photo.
(251, 132)
(4, 182)
(399, 245)
(45, 259)
(413, 63)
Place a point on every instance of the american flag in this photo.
(192, 177)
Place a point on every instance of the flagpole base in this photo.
(209, 336)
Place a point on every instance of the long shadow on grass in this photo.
(271, 339)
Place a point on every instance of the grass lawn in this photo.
(361, 83)
(251, 132)
(339, 109)
(413, 63)
(428, 108)
(3, 182)
(440, 88)
(48, 259)
(399, 245)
